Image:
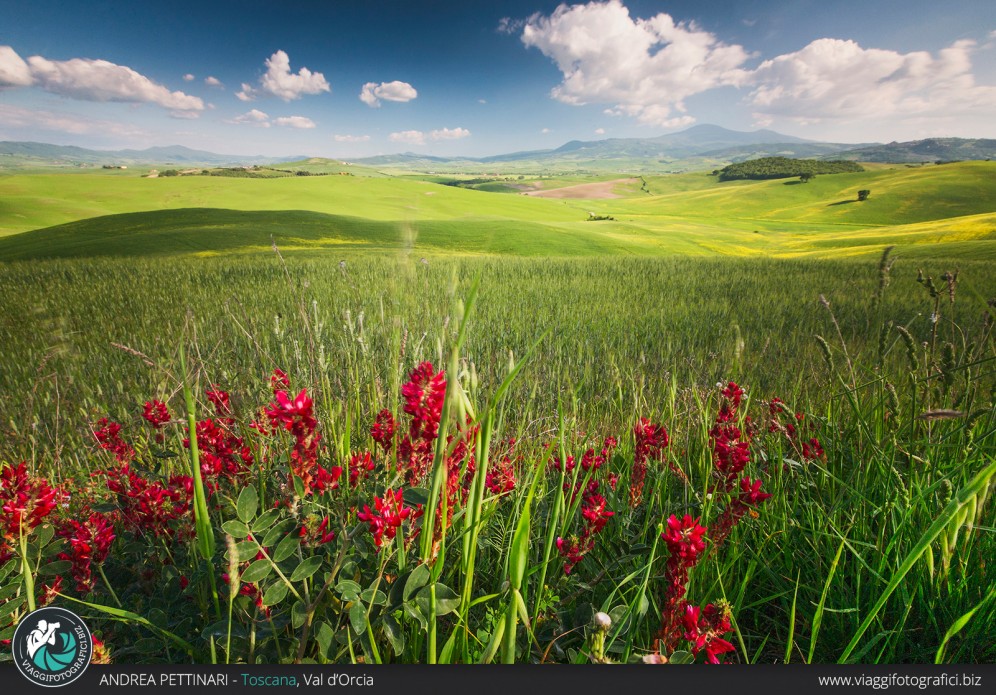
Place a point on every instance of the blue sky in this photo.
(350, 79)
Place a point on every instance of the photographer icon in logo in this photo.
(52, 646)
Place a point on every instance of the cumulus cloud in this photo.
(279, 81)
(299, 122)
(838, 79)
(212, 81)
(412, 137)
(351, 138)
(14, 72)
(254, 117)
(449, 134)
(90, 80)
(372, 93)
(645, 68)
(599, 131)
(546, 130)
(188, 78)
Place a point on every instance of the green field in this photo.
(869, 416)
(937, 211)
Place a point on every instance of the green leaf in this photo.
(299, 614)
(298, 487)
(265, 520)
(275, 593)
(235, 528)
(247, 550)
(11, 606)
(306, 568)
(681, 657)
(45, 534)
(348, 589)
(9, 590)
(276, 533)
(257, 571)
(248, 503)
(447, 600)
(415, 495)
(324, 636)
(358, 618)
(57, 567)
(374, 597)
(416, 580)
(394, 634)
(287, 547)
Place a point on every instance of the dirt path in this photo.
(588, 191)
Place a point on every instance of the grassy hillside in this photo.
(936, 211)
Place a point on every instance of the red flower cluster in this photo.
(501, 473)
(749, 498)
(26, 502)
(684, 540)
(651, 440)
(389, 512)
(595, 515)
(705, 630)
(382, 430)
(296, 415)
(424, 395)
(149, 507)
(156, 413)
(221, 401)
(89, 542)
(222, 454)
(360, 464)
(108, 436)
(317, 535)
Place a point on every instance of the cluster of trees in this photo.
(784, 168)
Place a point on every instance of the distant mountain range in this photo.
(175, 154)
(698, 147)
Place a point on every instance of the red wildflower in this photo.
(50, 593)
(156, 413)
(424, 395)
(684, 540)
(296, 415)
(750, 496)
(651, 440)
(704, 629)
(220, 400)
(360, 464)
(26, 501)
(89, 542)
(101, 654)
(390, 512)
(108, 436)
(382, 430)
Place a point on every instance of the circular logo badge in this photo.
(52, 647)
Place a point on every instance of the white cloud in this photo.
(482, 101)
(17, 117)
(546, 130)
(279, 81)
(254, 117)
(599, 131)
(90, 80)
(188, 78)
(14, 72)
(185, 115)
(834, 79)
(247, 93)
(351, 138)
(299, 122)
(449, 134)
(412, 137)
(372, 93)
(212, 81)
(507, 25)
(646, 68)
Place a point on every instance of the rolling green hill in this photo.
(940, 211)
